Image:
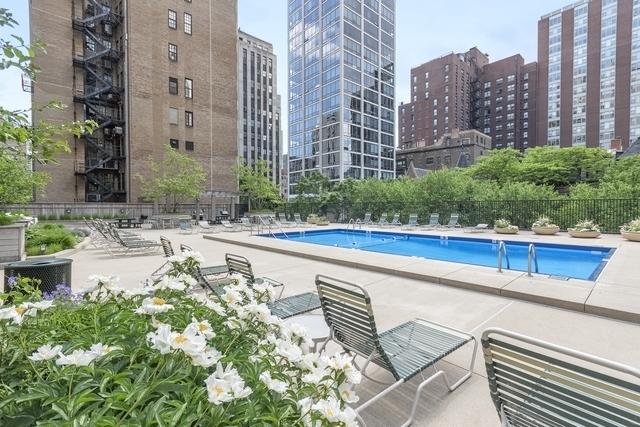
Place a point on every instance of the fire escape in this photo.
(104, 155)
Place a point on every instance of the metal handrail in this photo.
(532, 256)
(502, 253)
(269, 224)
(352, 224)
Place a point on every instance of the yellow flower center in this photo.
(159, 301)
(180, 339)
(218, 390)
(202, 327)
(20, 310)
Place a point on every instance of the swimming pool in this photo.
(566, 261)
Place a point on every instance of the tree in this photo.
(21, 142)
(177, 179)
(499, 165)
(257, 186)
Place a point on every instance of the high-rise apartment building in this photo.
(341, 89)
(150, 73)
(589, 74)
(466, 91)
(259, 133)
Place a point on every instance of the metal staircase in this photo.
(104, 165)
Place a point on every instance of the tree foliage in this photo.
(257, 186)
(176, 179)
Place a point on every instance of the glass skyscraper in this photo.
(341, 89)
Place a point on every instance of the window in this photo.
(173, 19)
(188, 145)
(173, 116)
(173, 52)
(188, 88)
(173, 86)
(174, 143)
(188, 119)
(187, 23)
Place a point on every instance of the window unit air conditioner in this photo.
(93, 197)
(117, 130)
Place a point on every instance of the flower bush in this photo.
(543, 221)
(503, 223)
(632, 226)
(164, 355)
(586, 225)
(8, 218)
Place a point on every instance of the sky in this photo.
(425, 29)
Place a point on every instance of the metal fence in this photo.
(610, 214)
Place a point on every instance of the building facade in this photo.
(259, 133)
(589, 74)
(341, 89)
(467, 91)
(150, 73)
(455, 149)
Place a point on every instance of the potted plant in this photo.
(544, 226)
(12, 234)
(585, 230)
(323, 221)
(503, 226)
(631, 230)
(312, 219)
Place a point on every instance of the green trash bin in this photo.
(49, 271)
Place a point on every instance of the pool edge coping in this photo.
(549, 300)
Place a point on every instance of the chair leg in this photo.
(469, 371)
(416, 398)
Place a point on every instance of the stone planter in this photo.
(583, 234)
(506, 230)
(12, 242)
(633, 236)
(546, 231)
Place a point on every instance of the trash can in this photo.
(49, 271)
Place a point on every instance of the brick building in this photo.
(150, 73)
(467, 91)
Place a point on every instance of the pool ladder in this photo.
(502, 254)
(353, 223)
(532, 259)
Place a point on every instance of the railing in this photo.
(262, 222)
(352, 224)
(532, 258)
(610, 214)
(502, 254)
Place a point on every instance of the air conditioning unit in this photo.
(93, 197)
(117, 130)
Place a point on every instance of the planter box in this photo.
(506, 230)
(633, 236)
(583, 234)
(546, 231)
(12, 242)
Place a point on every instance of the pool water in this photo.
(566, 261)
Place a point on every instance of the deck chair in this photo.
(298, 221)
(537, 383)
(395, 222)
(367, 219)
(453, 221)
(227, 226)
(245, 224)
(207, 228)
(383, 220)
(434, 221)
(285, 222)
(404, 351)
(413, 222)
(480, 228)
(167, 248)
(185, 226)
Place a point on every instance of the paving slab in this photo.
(480, 279)
(617, 301)
(570, 294)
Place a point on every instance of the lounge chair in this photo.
(537, 383)
(367, 219)
(167, 248)
(395, 222)
(480, 228)
(227, 226)
(413, 222)
(186, 226)
(207, 228)
(404, 351)
(285, 222)
(212, 270)
(132, 245)
(382, 222)
(298, 221)
(453, 222)
(434, 221)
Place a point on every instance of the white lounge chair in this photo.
(434, 222)
(207, 228)
(480, 228)
(227, 226)
(413, 222)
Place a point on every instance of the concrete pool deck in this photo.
(398, 299)
(615, 294)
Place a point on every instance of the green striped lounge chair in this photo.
(537, 383)
(283, 307)
(434, 221)
(383, 220)
(405, 351)
(412, 223)
(367, 219)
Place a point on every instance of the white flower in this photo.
(289, 351)
(191, 344)
(193, 255)
(202, 327)
(153, 305)
(225, 385)
(132, 293)
(17, 314)
(264, 292)
(172, 283)
(315, 376)
(329, 409)
(342, 362)
(275, 385)
(179, 259)
(209, 357)
(207, 302)
(187, 280)
(299, 336)
(45, 352)
(40, 305)
(347, 393)
(231, 297)
(77, 358)
(160, 339)
(109, 282)
(100, 349)
(234, 323)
